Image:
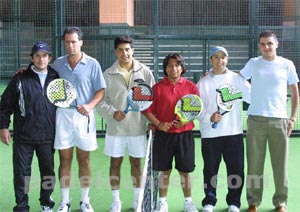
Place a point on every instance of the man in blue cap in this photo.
(33, 127)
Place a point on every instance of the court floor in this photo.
(100, 190)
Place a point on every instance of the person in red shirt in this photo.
(172, 139)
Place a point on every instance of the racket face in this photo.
(140, 97)
(228, 96)
(61, 93)
(188, 107)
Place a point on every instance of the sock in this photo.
(116, 195)
(65, 195)
(85, 194)
(163, 199)
(188, 199)
(136, 193)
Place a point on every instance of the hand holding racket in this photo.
(188, 108)
(227, 98)
(139, 98)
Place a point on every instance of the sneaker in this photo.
(162, 206)
(46, 208)
(208, 208)
(189, 207)
(115, 206)
(233, 208)
(135, 205)
(64, 207)
(86, 207)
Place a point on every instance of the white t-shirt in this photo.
(269, 82)
(42, 75)
(231, 123)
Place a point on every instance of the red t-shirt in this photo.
(165, 98)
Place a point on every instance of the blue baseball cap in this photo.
(218, 49)
(40, 46)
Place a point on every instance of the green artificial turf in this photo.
(100, 190)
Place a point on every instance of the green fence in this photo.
(189, 27)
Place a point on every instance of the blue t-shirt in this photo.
(86, 77)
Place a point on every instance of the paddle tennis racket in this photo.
(188, 108)
(139, 98)
(61, 93)
(227, 98)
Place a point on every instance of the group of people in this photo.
(38, 126)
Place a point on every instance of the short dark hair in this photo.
(180, 61)
(71, 30)
(266, 34)
(123, 39)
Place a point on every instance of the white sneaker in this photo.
(189, 207)
(208, 208)
(64, 207)
(115, 206)
(46, 208)
(162, 206)
(86, 207)
(135, 205)
(233, 208)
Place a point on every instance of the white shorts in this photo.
(115, 146)
(74, 129)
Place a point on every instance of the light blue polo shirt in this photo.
(86, 77)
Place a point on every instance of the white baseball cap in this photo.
(218, 49)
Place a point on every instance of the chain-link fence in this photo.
(189, 27)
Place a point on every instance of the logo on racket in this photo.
(227, 98)
(190, 106)
(139, 95)
(59, 93)
(139, 98)
(229, 94)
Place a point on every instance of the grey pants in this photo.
(263, 132)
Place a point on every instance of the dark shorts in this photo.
(166, 146)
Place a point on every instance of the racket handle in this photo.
(126, 109)
(214, 125)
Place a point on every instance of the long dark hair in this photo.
(180, 61)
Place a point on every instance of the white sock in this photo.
(85, 194)
(65, 192)
(136, 193)
(188, 199)
(163, 199)
(116, 195)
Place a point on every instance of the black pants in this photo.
(22, 159)
(231, 148)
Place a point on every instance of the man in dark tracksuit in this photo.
(33, 127)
